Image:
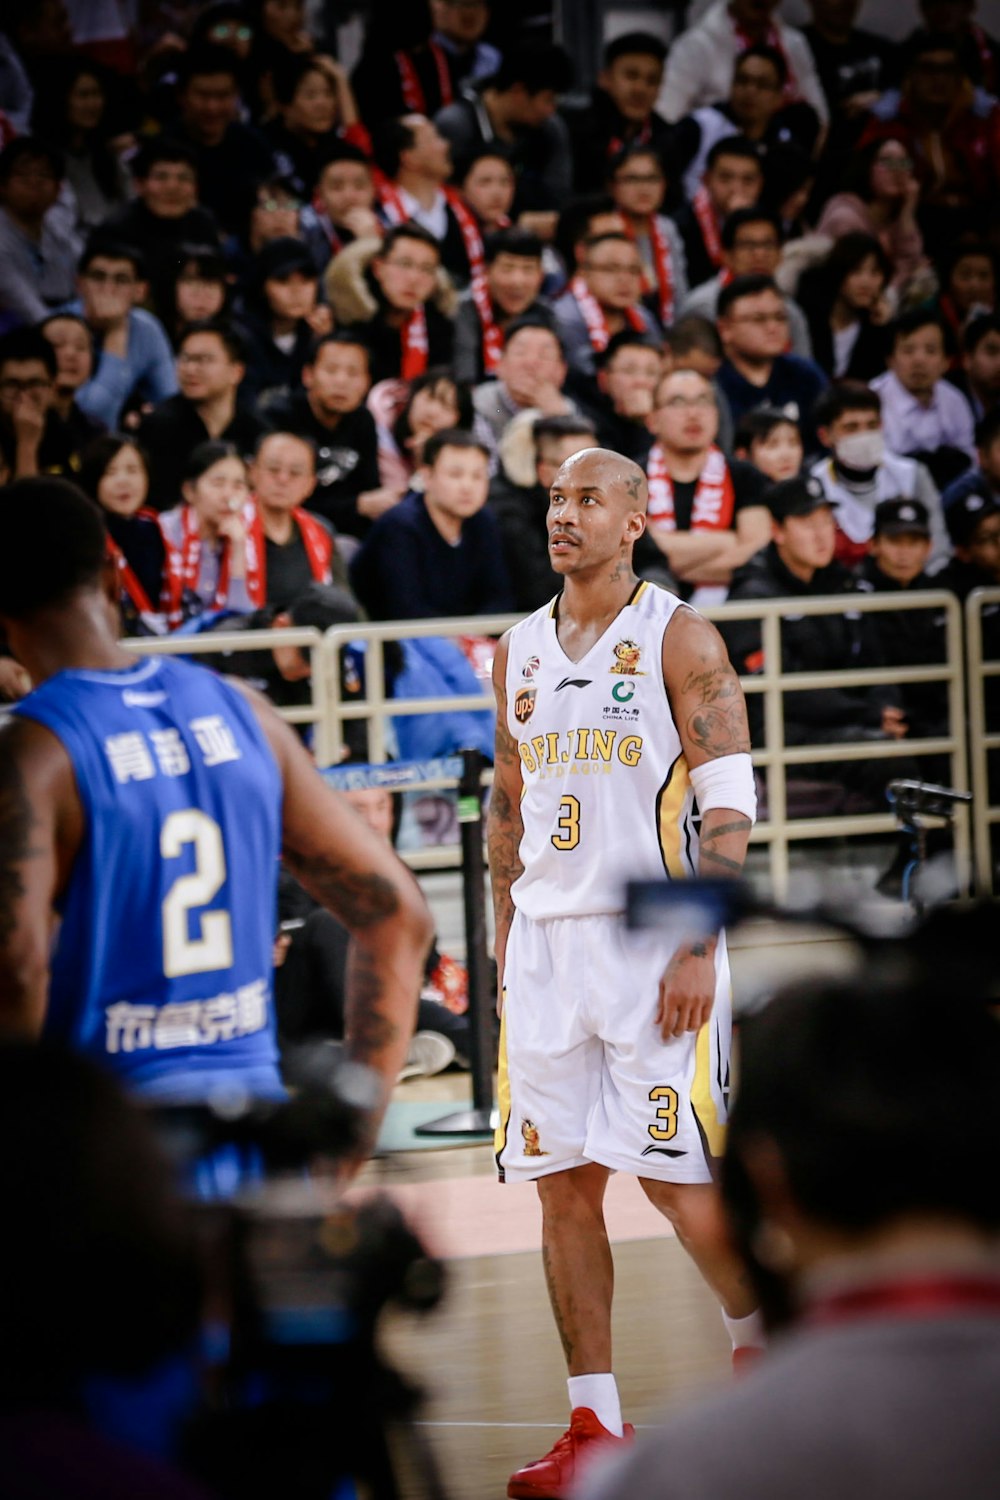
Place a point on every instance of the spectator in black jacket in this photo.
(281, 318)
(843, 301)
(512, 284)
(733, 179)
(620, 111)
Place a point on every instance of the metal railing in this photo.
(981, 739)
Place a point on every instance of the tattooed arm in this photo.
(503, 826)
(358, 877)
(710, 713)
(41, 824)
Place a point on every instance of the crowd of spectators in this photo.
(294, 322)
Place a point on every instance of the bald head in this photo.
(616, 476)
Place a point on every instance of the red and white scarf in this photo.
(714, 503)
(476, 255)
(662, 268)
(315, 538)
(413, 92)
(183, 565)
(708, 223)
(597, 323)
(413, 336)
(389, 200)
(128, 579)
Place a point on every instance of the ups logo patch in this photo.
(524, 704)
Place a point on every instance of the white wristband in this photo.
(726, 782)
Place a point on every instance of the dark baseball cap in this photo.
(796, 497)
(280, 258)
(899, 517)
(964, 515)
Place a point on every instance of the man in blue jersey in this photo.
(145, 803)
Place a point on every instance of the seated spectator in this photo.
(432, 74)
(627, 374)
(898, 553)
(922, 414)
(879, 196)
(638, 186)
(602, 298)
(978, 379)
(508, 289)
(231, 158)
(316, 108)
(706, 513)
(952, 135)
(71, 112)
(209, 564)
(753, 326)
(74, 346)
(620, 112)
(516, 106)
(393, 290)
(438, 553)
(114, 471)
(751, 246)
(33, 437)
(330, 412)
(272, 211)
(164, 215)
(861, 470)
(582, 219)
(702, 59)
(968, 286)
(200, 290)
(294, 548)
(756, 107)
(530, 376)
(854, 66)
(487, 184)
(343, 206)
(281, 317)
(135, 363)
(733, 179)
(770, 440)
(799, 563)
(211, 365)
(985, 478)
(844, 299)
(430, 403)
(414, 159)
(521, 508)
(978, 53)
(39, 247)
(974, 527)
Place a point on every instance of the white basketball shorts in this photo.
(584, 1074)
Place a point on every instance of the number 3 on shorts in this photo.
(568, 824)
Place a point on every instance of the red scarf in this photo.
(315, 538)
(618, 143)
(128, 579)
(714, 498)
(597, 323)
(413, 336)
(183, 566)
(664, 286)
(476, 256)
(391, 202)
(708, 224)
(413, 93)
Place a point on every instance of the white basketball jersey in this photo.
(606, 793)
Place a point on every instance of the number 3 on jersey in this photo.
(568, 824)
(213, 948)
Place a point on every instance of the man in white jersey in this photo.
(617, 707)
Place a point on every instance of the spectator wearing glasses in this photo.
(879, 196)
(603, 297)
(39, 247)
(638, 186)
(753, 326)
(751, 246)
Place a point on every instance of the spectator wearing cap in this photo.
(974, 527)
(163, 216)
(985, 478)
(978, 379)
(799, 563)
(620, 112)
(860, 470)
(530, 377)
(733, 179)
(703, 57)
(753, 327)
(135, 363)
(330, 412)
(751, 246)
(33, 437)
(394, 289)
(923, 415)
(39, 247)
(281, 317)
(432, 74)
(437, 553)
(211, 364)
(509, 288)
(898, 553)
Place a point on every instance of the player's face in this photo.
(592, 515)
(123, 486)
(284, 474)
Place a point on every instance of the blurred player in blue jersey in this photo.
(144, 803)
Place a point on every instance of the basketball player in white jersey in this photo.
(617, 708)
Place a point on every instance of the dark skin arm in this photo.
(710, 713)
(503, 825)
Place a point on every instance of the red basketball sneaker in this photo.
(745, 1359)
(552, 1477)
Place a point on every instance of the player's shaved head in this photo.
(614, 474)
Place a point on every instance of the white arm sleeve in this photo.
(726, 782)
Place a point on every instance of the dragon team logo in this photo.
(530, 668)
(532, 1139)
(524, 704)
(627, 658)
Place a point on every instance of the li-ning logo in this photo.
(580, 682)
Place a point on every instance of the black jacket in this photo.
(910, 638)
(600, 132)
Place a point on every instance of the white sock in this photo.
(748, 1332)
(600, 1393)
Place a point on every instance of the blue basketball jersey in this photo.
(162, 966)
